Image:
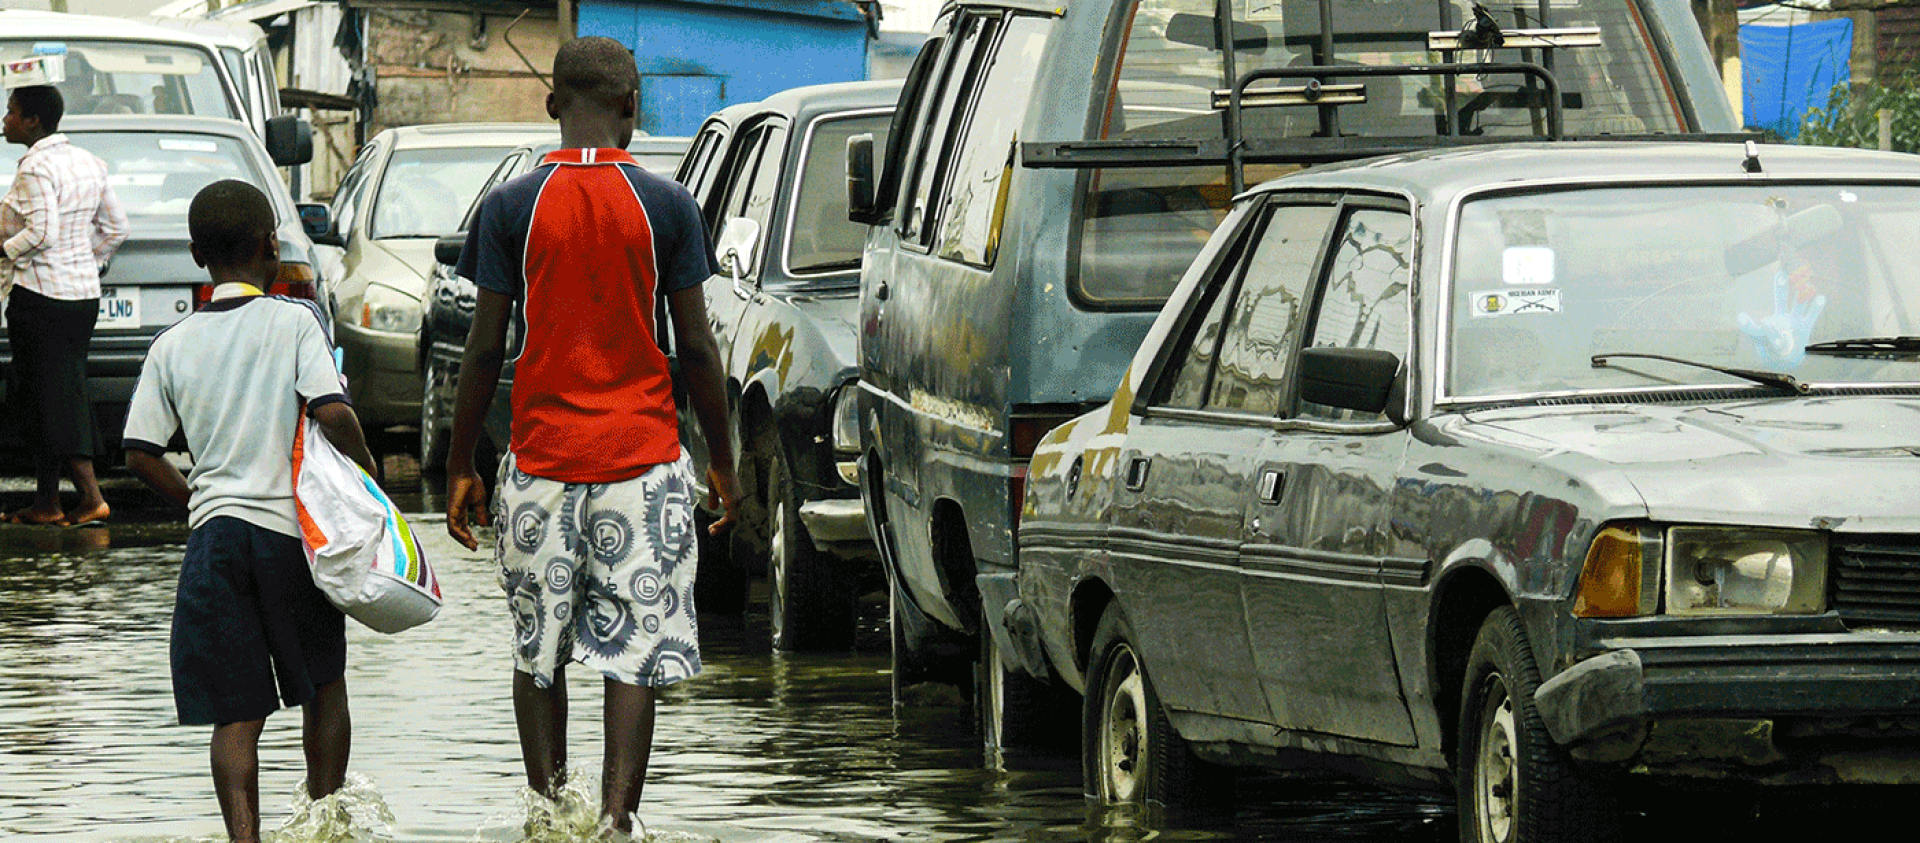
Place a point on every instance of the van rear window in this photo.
(130, 77)
(1169, 64)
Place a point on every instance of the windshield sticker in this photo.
(1527, 266)
(179, 145)
(1514, 302)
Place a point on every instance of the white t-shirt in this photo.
(230, 377)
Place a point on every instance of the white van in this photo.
(188, 66)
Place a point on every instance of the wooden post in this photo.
(1886, 130)
(566, 21)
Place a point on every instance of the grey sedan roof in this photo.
(1435, 176)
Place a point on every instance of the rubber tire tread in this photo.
(1179, 781)
(1574, 806)
(818, 615)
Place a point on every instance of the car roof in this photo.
(839, 96)
(225, 32)
(442, 135)
(1436, 176)
(16, 24)
(156, 123)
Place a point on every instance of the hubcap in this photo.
(1123, 731)
(777, 567)
(1496, 776)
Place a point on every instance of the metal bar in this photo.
(1555, 117)
(1295, 95)
(1563, 38)
(1329, 116)
(1223, 25)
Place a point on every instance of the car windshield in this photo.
(426, 192)
(824, 240)
(1743, 276)
(156, 174)
(129, 77)
(1140, 227)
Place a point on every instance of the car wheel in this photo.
(434, 431)
(1017, 713)
(748, 540)
(1515, 784)
(720, 585)
(809, 601)
(1129, 751)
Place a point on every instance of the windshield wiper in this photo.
(1774, 379)
(1868, 347)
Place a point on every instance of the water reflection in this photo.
(764, 748)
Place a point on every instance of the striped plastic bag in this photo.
(365, 558)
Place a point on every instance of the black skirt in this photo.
(49, 395)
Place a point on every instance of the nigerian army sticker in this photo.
(1514, 302)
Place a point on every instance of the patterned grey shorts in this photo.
(601, 573)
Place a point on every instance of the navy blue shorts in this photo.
(251, 632)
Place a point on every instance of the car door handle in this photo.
(1273, 484)
(1137, 473)
(880, 290)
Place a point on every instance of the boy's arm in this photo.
(341, 426)
(700, 365)
(479, 377)
(159, 474)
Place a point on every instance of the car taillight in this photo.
(295, 280)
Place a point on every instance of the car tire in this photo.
(747, 541)
(809, 600)
(1017, 715)
(1515, 785)
(434, 430)
(720, 585)
(1130, 753)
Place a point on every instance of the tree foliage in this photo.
(1851, 117)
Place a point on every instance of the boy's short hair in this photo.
(227, 220)
(43, 102)
(594, 68)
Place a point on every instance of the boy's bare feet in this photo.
(87, 514)
(36, 515)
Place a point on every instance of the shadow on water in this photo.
(762, 748)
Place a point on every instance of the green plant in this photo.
(1851, 116)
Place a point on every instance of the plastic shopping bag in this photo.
(365, 558)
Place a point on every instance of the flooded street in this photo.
(762, 747)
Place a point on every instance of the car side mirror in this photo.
(860, 183)
(447, 249)
(739, 238)
(289, 140)
(1362, 379)
(315, 219)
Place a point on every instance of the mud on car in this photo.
(1530, 471)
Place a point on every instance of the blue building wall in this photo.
(697, 56)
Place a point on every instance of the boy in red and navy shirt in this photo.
(597, 543)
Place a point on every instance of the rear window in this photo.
(129, 77)
(1139, 228)
(823, 239)
(426, 192)
(156, 174)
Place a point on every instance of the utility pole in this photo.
(566, 21)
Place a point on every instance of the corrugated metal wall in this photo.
(697, 56)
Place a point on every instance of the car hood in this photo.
(1849, 462)
(403, 263)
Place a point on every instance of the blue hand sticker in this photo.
(1780, 340)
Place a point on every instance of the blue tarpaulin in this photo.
(1786, 70)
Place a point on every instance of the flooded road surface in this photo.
(762, 747)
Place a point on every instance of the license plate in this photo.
(119, 308)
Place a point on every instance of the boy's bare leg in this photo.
(326, 731)
(629, 726)
(541, 715)
(236, 778)
(92, 506)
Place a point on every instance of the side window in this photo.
(1364, 301)
(1184, 385)
(500, 174)
(702, 164)
(982, 170)
(755, 181)
(1262, 336)
(346, 203)
(931, 154)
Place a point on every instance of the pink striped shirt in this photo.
(60, 222)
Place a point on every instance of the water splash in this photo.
(353, 814)
(573, 816)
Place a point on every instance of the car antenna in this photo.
(1752, 164)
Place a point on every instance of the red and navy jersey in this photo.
(585, 243)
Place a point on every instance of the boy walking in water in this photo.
(597, 543)
(251, 632)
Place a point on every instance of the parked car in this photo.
(407, 187)
(163, 66)
(156, 164)
(1525, 471)
(771, 178)
(1054, 168)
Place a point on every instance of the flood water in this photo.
(762, 747)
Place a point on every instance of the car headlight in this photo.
(1718, 570)
(846, 419)
(388, 310)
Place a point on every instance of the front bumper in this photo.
(383, 374)
(835, 521)
(1809, 709)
